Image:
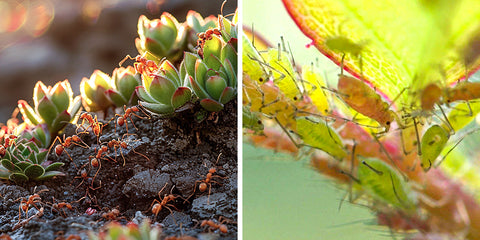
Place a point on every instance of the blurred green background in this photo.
(283, 198)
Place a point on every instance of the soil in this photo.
(164, 156)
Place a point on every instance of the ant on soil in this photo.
(60, 206)
(157, 205)
(112, 214)
(33, 200)
(67, 142)
(121, 120)
(207, 182)
(93, 123)
(119, 144)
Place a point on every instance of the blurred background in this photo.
(53, 40)
(284, 198)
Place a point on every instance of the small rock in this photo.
(147, 184)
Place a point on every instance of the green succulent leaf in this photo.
(47, 110)
(30, 116)
(18, 177)
(9, 165)
(39, 92)
(181, 96)
(227, 95)
(54, 166)
(215, 86)
(158, 108)
(171, 72)
(61, 96)
(211, 49)
(189, 61)
(200, 75)
(162, 89)
(34, 171)
(23, 165)
(50, 174)
(211, 105)
(116, 97)
(60, 122)
(199, 91)
(143, 95)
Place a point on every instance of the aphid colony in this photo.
(354, 125)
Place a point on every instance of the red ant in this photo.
(85, 178)
(214, 226)
(112, 214)
(67, 142)
(142, 64)
(127, 115)
(61, 205)
(122, 144)
(32, 200)
(93, 124)
(157, 205)
(207, 181)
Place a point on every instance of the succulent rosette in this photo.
(213, 77)
(24, 161)
(163, 92)
(122, 86)
(163, 37)
(93, 92)
(54, 106)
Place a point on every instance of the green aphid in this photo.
(383, 182)
(251, 120)
(316, 133)
(344, 45)
(432, 144)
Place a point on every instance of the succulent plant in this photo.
(131, 231)
(55, 106)
(213, 76)
(163, 37)
(122, 86)
(23, 161)
(163, 92)
(93, 92)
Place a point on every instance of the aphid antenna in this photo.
(395, 192)
(455, 145)
(378, 172)
(446, 121)
(390, 158)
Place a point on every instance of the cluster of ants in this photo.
(90, 123)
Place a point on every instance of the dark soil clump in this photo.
(164, 156)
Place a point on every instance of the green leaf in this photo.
(50, 174)
(158, 108)
(181, 96)
(18, 177)
(212, 49)
(34, 171)
(54, 166)
(28, 113)
(211, 105)
(402, 44)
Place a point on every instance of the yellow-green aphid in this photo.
(251, 120)
(283, 72)
(432, 144)
(344, 45)
(315, 133)
(251, 62)
(385, 183)
(314, 88)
